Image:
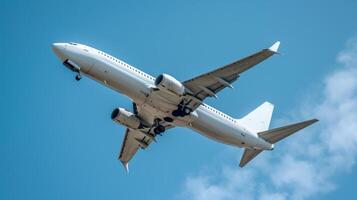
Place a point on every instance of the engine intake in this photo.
(169, 83)
(126, 118)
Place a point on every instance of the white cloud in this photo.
(232, 183)
(329, 148)
(272, 196)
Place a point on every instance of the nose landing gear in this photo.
(78, 77)
(73, 67)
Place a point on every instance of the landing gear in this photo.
(159, 129)
(177, 113)
(181, 111)
(168, 119)
(74, 67)
(78, 77)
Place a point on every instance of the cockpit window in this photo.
(72, 43)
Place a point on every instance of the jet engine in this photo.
(126, 118)
(169, 83)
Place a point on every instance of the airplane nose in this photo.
(58, 46)
(59, 49)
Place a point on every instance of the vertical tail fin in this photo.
(259, 119)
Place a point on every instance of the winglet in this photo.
(274, 48)
(126, 166)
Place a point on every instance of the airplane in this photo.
(162, 103)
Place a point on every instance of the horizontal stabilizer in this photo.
(248, 155)
(275, 135)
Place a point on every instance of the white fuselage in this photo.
(138, 85)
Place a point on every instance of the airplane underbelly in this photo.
(218, 130)
(160, 103)
(119, 80)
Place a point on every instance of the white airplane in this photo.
(162, 103)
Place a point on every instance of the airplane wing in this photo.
(135, 139)
(209, 84)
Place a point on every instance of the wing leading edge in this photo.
(209, 84)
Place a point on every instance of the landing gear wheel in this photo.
(168, 119)
(182, 114)
(161, 128)
(158, 130)
(78, 77)
(176, 113)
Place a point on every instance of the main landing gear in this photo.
(158, 128)
(181, 111)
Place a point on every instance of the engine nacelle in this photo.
(169, 83)
(126, 118)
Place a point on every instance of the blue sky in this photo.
(57, 140)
